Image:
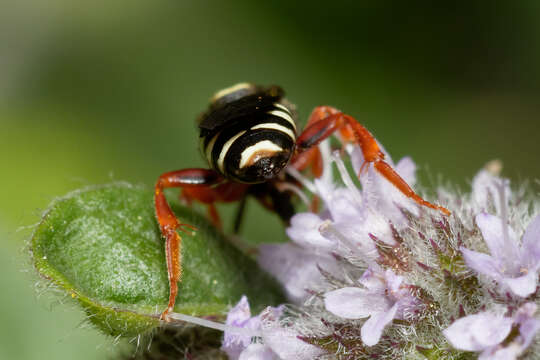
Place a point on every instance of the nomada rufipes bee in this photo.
(249, 137)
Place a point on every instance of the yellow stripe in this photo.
(265, 145)
(284, 115)
(225, 149)
(278, 127)
(209, 149)
(227, 91)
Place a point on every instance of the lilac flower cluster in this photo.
(373, 275)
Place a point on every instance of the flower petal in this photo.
(528, 330)
(492, 232)
(507, 353)
(238, 316)
(481, 263)
(372, 329)
(286, 344)
(258, 352)
(406, 168)
(524, 285)
(393, 281)
(383, 196)
(483, 188)
(352, 237)
(294, 267)
(528, 326)
(379, 194)
(478, 332)
(239, 313)
(531, 241)
(372, 279)
(341, 202)
(525, 312)
(485, 192)
(355, 303)
(233, 346)
(304, 231)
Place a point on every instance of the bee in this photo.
(249, 137)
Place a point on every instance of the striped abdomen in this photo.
(252, 148)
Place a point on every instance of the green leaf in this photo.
(103, 247)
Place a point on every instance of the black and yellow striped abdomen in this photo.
(253, 139)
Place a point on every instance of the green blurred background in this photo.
(109, 90)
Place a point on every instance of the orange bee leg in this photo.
(214, 216)
(225, 192)
(311, 158)
(169, 224)
(326, 120)
(232, 191)
(321, 112)
(385, 170)
(206, 196)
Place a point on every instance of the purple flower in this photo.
(286, 345)
(380, 194)
(272, 342)
(304, 231)
(343, 227)
(486, 191)
(512, 265)
(367, 227)
(382, 299)
(257, 352)
(240, 317)
(375, 206)
(485, 332)
(295, 267)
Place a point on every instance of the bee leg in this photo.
(311, 158)
(273, 199)
(325, 121)
(227, 191)
(169, 224)
(239, 217)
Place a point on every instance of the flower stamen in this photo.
(345, 176)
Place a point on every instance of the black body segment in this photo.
(248, 134)
(236, 101)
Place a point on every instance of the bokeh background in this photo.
(92, 92)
